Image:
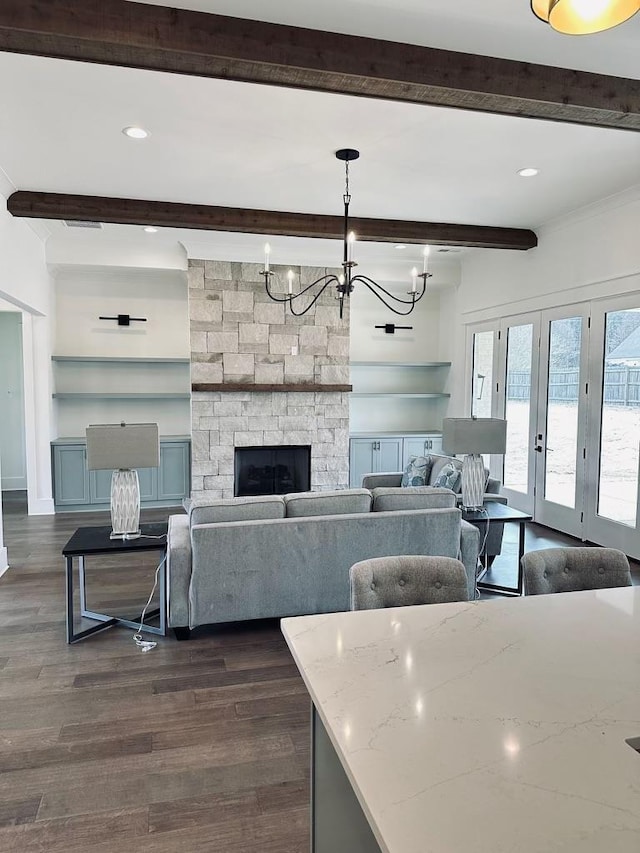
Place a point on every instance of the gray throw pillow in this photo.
(449, 477)
(417, 471)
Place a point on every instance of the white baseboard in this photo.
(4, 561)
(41, 506)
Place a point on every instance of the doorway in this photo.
(567, 380)
(13, 457)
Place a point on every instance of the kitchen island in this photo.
(484, 727)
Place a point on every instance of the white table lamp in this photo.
(122, 448)
(472, 437)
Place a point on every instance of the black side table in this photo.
(493, 511)
(89, 541)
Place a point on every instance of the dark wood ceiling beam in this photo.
(137, 35)
(129, 211)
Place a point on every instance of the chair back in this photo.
(573, 569)
(404, 580)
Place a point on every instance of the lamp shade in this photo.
(582, 17)
(116, 446)
(474, 435)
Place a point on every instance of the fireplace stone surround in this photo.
(262, 376)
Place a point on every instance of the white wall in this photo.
(593, 253)
(25, 283)
(82, 295)
(427, 340)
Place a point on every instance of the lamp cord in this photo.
(142, 644)
(482, 547)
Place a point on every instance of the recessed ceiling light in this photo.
(529, 172)
(149, 229)
(401, 246)
(135, 132)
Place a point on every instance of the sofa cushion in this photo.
(417, 471)
(440, 462)
(386, 499)
(449, 477)
(337, 502)
(237, 509)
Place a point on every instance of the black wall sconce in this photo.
(125, 319)
(390, 328)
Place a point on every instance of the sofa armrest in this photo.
(386, 479)
(469, 552)
(493, 486)
(495, 499)
(178, 570)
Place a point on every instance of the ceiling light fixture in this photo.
(529, 172)
(135, 132)
(583, 17)
(346, 281)
(149, 229)
(400, 246)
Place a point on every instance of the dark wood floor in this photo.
(192, 747)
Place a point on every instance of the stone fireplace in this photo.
(264, 377)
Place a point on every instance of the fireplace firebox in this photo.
(272, 470)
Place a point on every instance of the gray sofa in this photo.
(493, 544)
(263, 557)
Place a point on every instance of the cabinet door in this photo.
(389, 454)
(416, 445)
(70, 475)
(435, 444)
(362, 460)
(174, 474)
(148, 480)
(100, 486)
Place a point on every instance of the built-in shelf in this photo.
(400, 364)
(90, 395)
(95, 359)
(397, 394)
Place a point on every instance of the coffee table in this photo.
(90, 541)
(494, 511)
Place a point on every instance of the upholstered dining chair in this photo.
(573, 569)
(399, 581)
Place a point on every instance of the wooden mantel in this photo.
(239, 386)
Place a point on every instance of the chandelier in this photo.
(581, 17)
(345, 282)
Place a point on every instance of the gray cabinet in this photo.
(373, 455)
(76, 488)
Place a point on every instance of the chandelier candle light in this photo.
(344, 283)
(583, 17)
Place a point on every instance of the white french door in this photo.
(562, 405)
(516, 395)
(539, 387)
(612, 513)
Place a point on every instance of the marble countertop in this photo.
(489, 727)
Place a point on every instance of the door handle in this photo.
(538, 449)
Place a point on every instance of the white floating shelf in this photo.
(90, 395)
(99, 359)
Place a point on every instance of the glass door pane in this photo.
(518, 407)
(620, 430)
(563, 394)
(482, 376)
